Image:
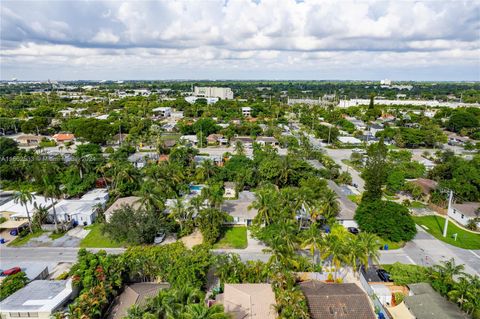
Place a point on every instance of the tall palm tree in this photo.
(369, 244)
(24, 197)
(52, 191)
(329, 206)
(264, 203)
(313, 240)
(151, 197)
(181, 212)
(239, 148)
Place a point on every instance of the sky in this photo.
(431, 40)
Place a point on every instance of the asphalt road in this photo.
(426, 250)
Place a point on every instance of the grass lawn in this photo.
(95, 239)
(435, 225)
(417, 205)
(355, 198)
(391, 244)
(233, 237)
(56, 235)
(19, 241)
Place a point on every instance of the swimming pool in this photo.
(196, 188)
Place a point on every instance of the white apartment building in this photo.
(212, 91)
(246, 111)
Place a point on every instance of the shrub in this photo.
(12, 283)
(387, 219)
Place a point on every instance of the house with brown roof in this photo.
(249, 301)
(336, 301)
(214, 139)
(267, 140)
(29, 140)
(136, 294)
(427, 185)
(132, 201)
(64, 137)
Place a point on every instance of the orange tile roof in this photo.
(64, 136)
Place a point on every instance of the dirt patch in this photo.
(193, 239)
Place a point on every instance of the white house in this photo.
(16, 211)
(266, 140)
(246, 111)
(463, 213)
(39, 299)
(162, 111)
(81, 212)
(192, 139)
(349, 140)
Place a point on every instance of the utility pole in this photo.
(329, 131)
(450, 198)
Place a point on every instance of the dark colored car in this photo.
(11, 271)
(353, 230)
(384, 275)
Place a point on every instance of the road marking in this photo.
(411, 260)
(474, 253)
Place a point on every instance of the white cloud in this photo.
(269, 35)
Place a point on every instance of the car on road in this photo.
(11, 271)
(353, 230)
(384, 275)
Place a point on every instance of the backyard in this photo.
(233, 237)
(96, 239)
(434, 225)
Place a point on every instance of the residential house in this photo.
(464, 213)
(347, 207)
(16, 211)
(332, 301)
(119, 138)
(266, 140)
(162, 111)
(215, 159)
(190, 139)
(375, 128)
(349, 140)
(359, 124)
(239, 209)
(29, 140)
(38, 299)
(135, 294)
(140, 159)
(425, 303)
(245, 140)
(77, 211)
(246, 111)
(214, 139)
(427, 185)
(131, 201)
(230, 191)
(249, 301)
(64, 137)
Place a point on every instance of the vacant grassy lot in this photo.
(435, 225)
(233, 237)
(95, 239)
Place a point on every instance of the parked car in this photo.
(11, 271)
(353, 230)
(384, 275)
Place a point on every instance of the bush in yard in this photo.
(387, 219)
(12, 283)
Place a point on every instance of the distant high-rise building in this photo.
(386, 82)
(222, 93)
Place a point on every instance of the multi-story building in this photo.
(211, 91)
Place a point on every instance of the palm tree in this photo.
(264, 204)
(461, 291)
(201, 311)
(445, 273)
(329, 206)
(313, 240)
(181, 212)
(24, 197)
(239, 148)
(369, 244)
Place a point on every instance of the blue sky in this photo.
(240, 39)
